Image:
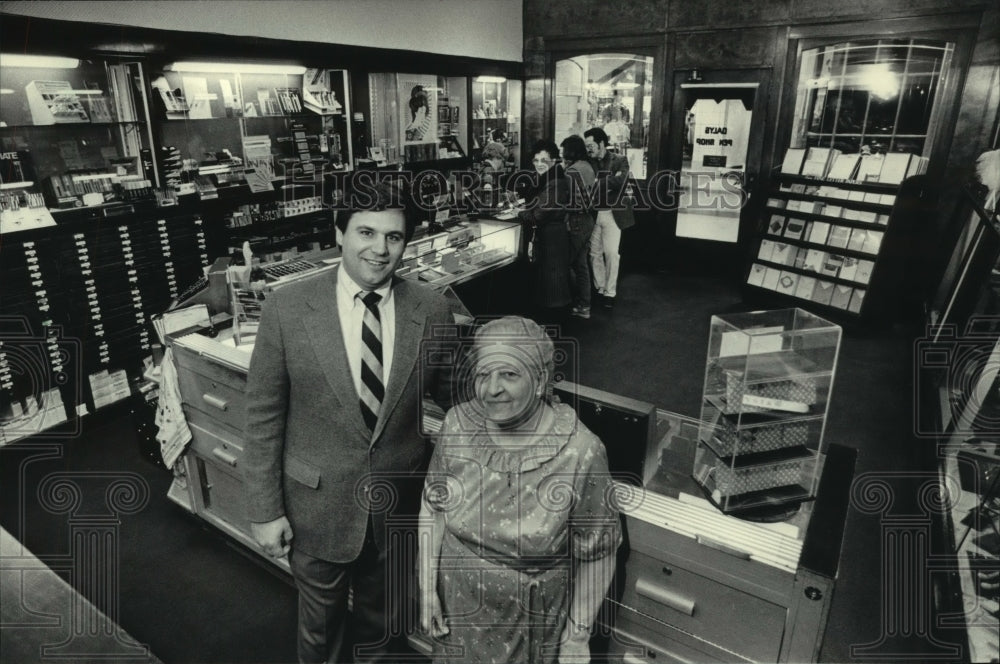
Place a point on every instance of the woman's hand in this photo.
(575, 649)
(432, 616)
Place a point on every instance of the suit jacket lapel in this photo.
(410, 321)
(323, 326)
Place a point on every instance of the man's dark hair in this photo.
(598, 134)
(376, 197)
(574, 149)
(545, 146)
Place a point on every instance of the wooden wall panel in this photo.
(726, 13)
(803, 11)
(535, 123)
(559, 18)
(725, 49)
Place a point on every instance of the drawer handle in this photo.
(224, 456)
(215, 401)
(665, 596)
(725, 548)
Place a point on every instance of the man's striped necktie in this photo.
(372, 389)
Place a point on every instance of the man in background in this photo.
(612, 218)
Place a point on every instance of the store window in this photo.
(880, 93)
(608, 90)
(417, 118)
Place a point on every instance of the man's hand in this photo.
(274, 537)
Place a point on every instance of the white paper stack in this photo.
(895, 167)
(775, 544)
(792, 164)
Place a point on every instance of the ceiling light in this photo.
(490, 79)
(41, 61)
(239, 67)
(880, 80)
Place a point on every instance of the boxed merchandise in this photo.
(823, 292)
(805, 288)
(756, 276)
(787, 282)
(724, 481)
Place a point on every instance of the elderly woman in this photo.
(519, 536)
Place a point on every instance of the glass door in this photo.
(612, 91)
(716, 139)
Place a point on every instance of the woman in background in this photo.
(579, 221)
(519, 540)
(544, 218)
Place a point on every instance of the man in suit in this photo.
(333, 447)
(612, 176)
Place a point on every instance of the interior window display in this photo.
(496, 104)
(73, 133)
(608, 90)
(417, 118)
(255, 124)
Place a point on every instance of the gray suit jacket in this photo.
(308, 453)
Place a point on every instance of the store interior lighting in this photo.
(238, 67)
(40, 61)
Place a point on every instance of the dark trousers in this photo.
(323, 616)
(579, 257)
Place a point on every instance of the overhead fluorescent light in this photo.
(6, 91)
(490, 79)
(41, 61)
(240, 67)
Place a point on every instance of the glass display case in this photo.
(73, 133)
(251, 125)
(767, 388)
(461, 252)
(496, 116)
(417, 118)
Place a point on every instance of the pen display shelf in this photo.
(768, 379)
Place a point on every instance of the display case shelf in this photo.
(768, 379)
(20, 127)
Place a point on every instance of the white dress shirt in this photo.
(352, 313)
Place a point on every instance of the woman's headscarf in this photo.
(532, 346)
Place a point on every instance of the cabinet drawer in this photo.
(213, 397)
(221, 493)
(750, 576)
(719, 614)
(634, 643)
(219, 449)
(192, 361)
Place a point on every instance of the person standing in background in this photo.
(612, 175)
(544, 219)
(579, 221)
(334, 449)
